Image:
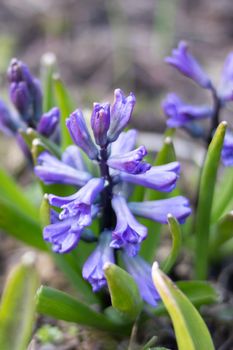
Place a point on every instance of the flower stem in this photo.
(217, 105)
(108, 219)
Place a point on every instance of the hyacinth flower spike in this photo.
(157, 210)
(52, 170)
(182, 60)
(128, 233)
(161, 178)
(93, 267)
(141, 272)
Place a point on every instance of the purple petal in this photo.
(125, 142)
(179, 113)
(100, 121)
(141, 272)
(226, 87)
(227, 150)
(72, 157)
(120, 113)
(51, 170)
(158, 210)
(128, 233)
(93, 267)
(48, 122)
(182, 60)
(161, 178)
(130, 162)
(80, 134)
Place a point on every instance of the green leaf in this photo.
(48, 68)
(222, 238)
(176, 243)
(17, 310)
(223, 200)
(20, 225)
(123, 290)
(198, 292)
(11, 191)
(72, 310)
(190, 329)
(65, 105)
(205, 198)
(148, 247)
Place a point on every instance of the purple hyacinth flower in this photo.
(227, 150)
(158, 210)
(120, 113)
(182, 60)
(78, 205)
(226, 88)
(141, 272)
(52, 170)
(64, 235)
(179, 113)
(93, 267)
(8, 123)
(128, 233)
(73, 157)
(25, 92)
(100, 121)
(48, 122)
(161, 178)
(130, 162)
(125, 143)
(80, 134)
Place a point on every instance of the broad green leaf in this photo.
(190, 329)
(223, 199)
(148, 247)
(198, 292)
(48, 69)
(59, 305)
(20, 225)
(17, 309)
(175, 230)
(64, 103)
(11, 191)
(123, 290)
(205, 198)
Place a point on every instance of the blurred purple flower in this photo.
(8, 123)
(141, 272)
(161, 178)
(182, 60)
(80, 134)
(130, 162)
(179, 113)
(128, 233)
(158, 210)
(120, 113)
(25, 92)
(226, 87)
(49, 122)
(100, 121)
(227, 150)
(52, 170)
(93, 267)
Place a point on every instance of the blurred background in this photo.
(102, 44)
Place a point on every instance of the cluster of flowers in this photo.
(26, 96)
(120, 165)
(181, 114)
